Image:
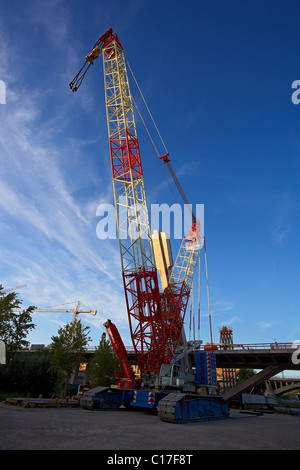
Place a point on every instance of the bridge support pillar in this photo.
(258, 378)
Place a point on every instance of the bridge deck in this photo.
(249, 356)
(255, 359)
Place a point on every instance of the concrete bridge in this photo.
(256, 356)
(268, 358)
(277, 386)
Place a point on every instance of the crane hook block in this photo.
(165, 158)
(101, 42)
(94, 54)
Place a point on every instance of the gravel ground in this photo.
(79, 429)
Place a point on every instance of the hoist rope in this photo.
(192, 318)
(192, 314)
(207, 286)
(171, 171)
(190, 328)
(199, 298)
(152, 141)
(147, 108)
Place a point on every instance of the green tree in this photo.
(66, 349)
(103, 365)
(27, 373)
(14, 325)
(244, 374)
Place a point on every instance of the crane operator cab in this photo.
(171, 376)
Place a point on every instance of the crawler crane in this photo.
(155, 318)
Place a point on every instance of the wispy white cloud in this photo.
(223, 306)
(266, 325)
(54, 22)
(48, 234)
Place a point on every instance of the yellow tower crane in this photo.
(75, 311)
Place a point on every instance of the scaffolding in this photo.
(229, 378)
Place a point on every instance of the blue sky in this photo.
(217, 77)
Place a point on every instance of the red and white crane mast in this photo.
(155, 323)
(136, 251)
(135, 242)
(155, 319)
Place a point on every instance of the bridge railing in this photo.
(249, 346)
(235, 347)
(213, 347)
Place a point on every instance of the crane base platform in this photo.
(184, 408)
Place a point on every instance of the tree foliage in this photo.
(14, 326)
(103, 365)
(244, 374)
(67, 347)
(27, 373)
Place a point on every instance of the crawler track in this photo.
(183, 408)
